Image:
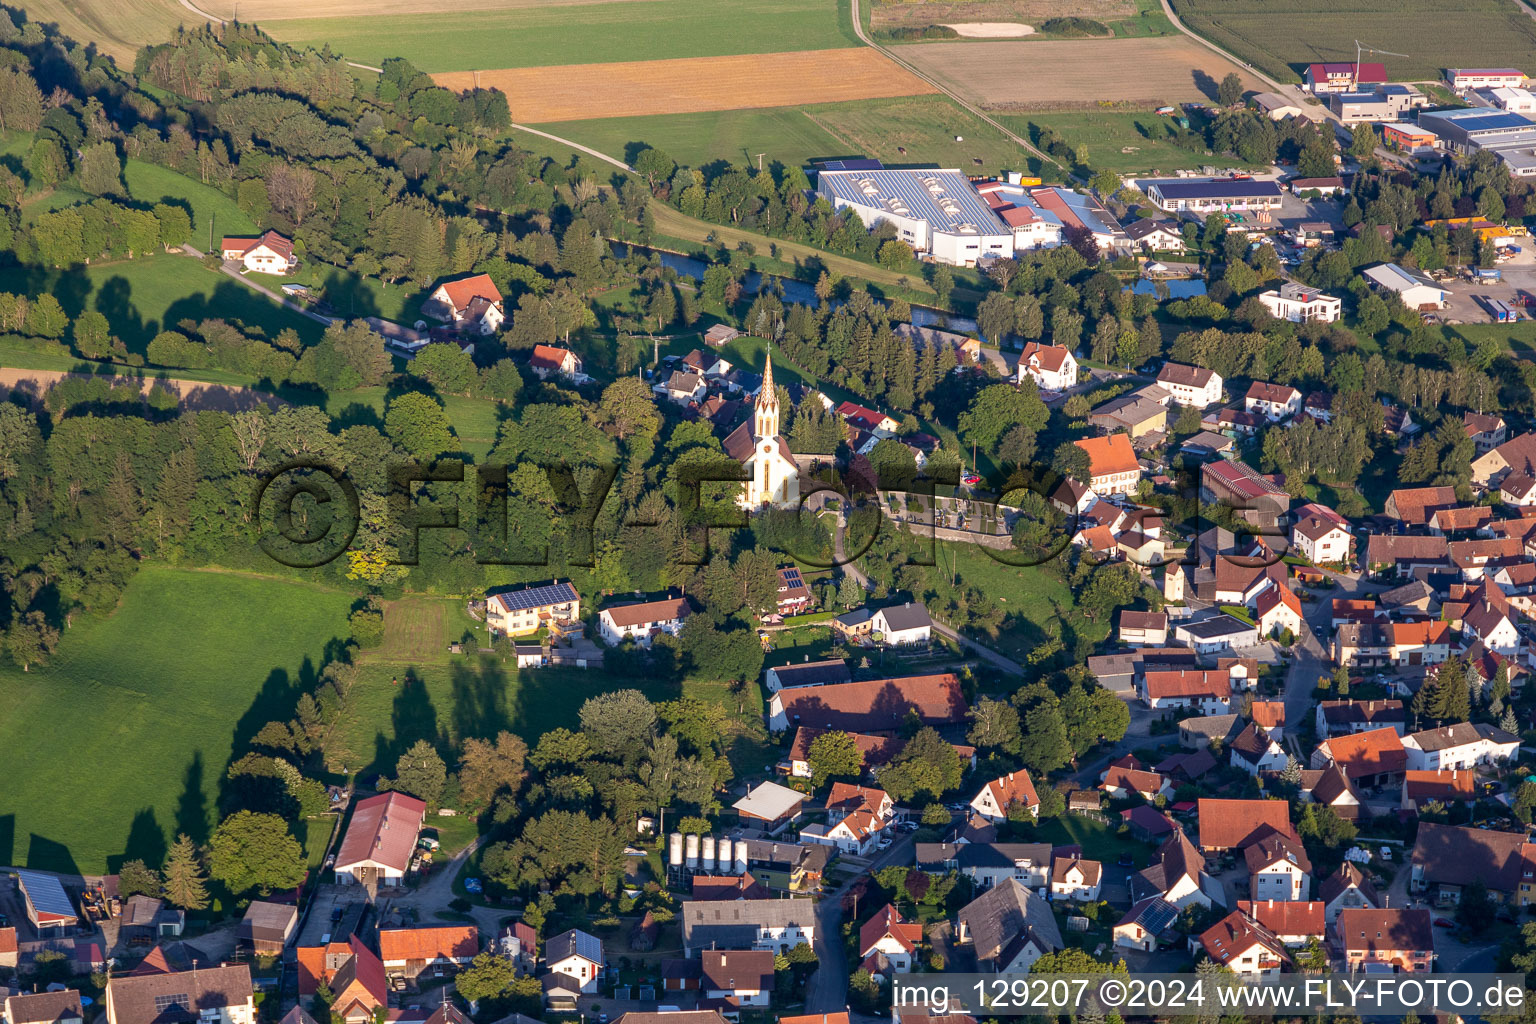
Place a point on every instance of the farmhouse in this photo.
(1331, 78)
(643, 620)
(1010, 928)
(743, 977)
(1448, 858)
(936, 212)
(1190, 385)
(1233, 824)
(380, 839)
(1373, 758)
(471, 304)
(1051, 367)
(1416, 288)
(1209, 692)
(870, 705)
(1112, 464)
(1298, 304)
(1402, 938)
(520, 612)
(1214, 195)
(774, 925)
(219, 995)
(436, 951)
(269, 254)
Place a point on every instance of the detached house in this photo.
(1298, 303)
(435, 951)
(1456, 786)
(857, 816)
(1145, 923)
(471, 304)
(1206, 691)
(1321, 541)
(1345, 889)
(1009, 927)
(1051, 367)
(1274, 402)
(998, 795)
(1112, 464)
(579, 957)
(269, 254)
(1254, 751)
(1448, 858)
(547, 361)
(1463, 745)
(524, 611)
(1233, 824)
(1290, 921)
(1190, 385)
(643, 620)
(1402, 938)
(1489, 621)
(1277, 611)
(1486, 431)
(1242, 945)
(741, 977)
(1370, 759)
(1178, 876)
(1073, 878)
(1278, 868)
(887, 936)
(903, 625)
(1335, 717)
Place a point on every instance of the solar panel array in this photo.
(1159, 916)
(46, 894)
(537, 597)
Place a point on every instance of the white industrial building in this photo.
(1033, 226)
(1417, 289)
(934, 211)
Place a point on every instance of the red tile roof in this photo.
(452, 942)
(1230, 824)
(466, 289)
(1112, 454)
(1049, 357)
(1267, 713)
(1015, 786)
(876, 705)
(548, 357)
(1235, 935)
(887, 921)
(1171, 683)
(383, 831)
(1286, 917)
(271, 239)
(1373, 752)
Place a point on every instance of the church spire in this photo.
(765, 420)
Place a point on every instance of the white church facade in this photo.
(773, 478)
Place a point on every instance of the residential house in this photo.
(527, 610)
(894, 939)
(1177, 875)
(1233, 824)
(1255, 751)
(471, 304)
(683, 387)
(1462, 745)
(1412, 506)
(1269, 716)
(1051, 367)
(1074, 878)
(1274, 402)
(1490, 621)
(1464, 519)
(643, 620)
(1418, 643)
(793, 596)
(1112, 464)
(1517, 455)
(830, 671)
(1155, 235)
(1518, 489)
(1448, 858)
(1190, 385)
(578, 956)
(547, 360)
(870, 705)
(1331, 787)
(1205, 690)
(774, 925)
(769, 806)
(1455, 786)
(1136, 414)
(1321, 541)
(1347, 888)
(1401, 554)
(1324, 78)
(1198, 733)
(1122, 781)
(1243, 946)
(1293, 922)
(1278, 868)
(741, 977)
(1298, 304)
(58, 1007)
(1487, 430)
(860, 418)
(1145, 923)
(857, 817)
(1371, 759)
(434, 950)
(271, 253)
(1335, 717)
(1009, 928)
(1403, 938)
(997, 796)
(989, 863)
(1143, 628)
(380, 839)
(902, 625)
(209, 995)
(1278, 611)
(1257, 499)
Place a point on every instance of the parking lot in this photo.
(1468, 303)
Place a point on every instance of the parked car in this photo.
(1444, 922)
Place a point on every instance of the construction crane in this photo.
(1360, 49)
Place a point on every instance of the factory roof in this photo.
(943, 198)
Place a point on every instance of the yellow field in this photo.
(578, 92)
(1051, 73)
(117, 27)
(284, 10)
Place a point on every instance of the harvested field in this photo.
(992, 29)
(1031, 12)
(284, 10)
(1045, 74)
(638, 88)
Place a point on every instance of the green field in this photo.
(535, 36)
(212, 210)
(912, 130)
(1108, 133)
(1282, 36)
(144, 296)
(122, 740)
(475, 421)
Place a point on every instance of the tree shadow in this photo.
(192, 808)
(413, 718)
(48, 855)
(479, 700)
(146, 841)
(1205, 83)
(7, 838)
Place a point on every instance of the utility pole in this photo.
(760, 162)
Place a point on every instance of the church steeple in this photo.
(765, 418)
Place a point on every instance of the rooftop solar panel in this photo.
(46, 894)
(537, 597)
(1159, 916)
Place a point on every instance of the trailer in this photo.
(1486, 274)
(1503, 312)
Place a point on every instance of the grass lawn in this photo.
(1099, 841)
(1519, 338)
(536, 35)
(145, 296)
(1109, 133)
(130, 727)
(212, 210)
(474, 420)
(912, 130)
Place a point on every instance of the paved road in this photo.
(1024, 144)
(277, 297)
(827, 989)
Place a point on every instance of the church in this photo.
(773, 478)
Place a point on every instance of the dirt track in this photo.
(575, 92)
(1034, 74)
(194, 394)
